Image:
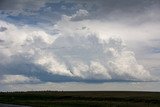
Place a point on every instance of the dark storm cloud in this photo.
(129, 10)
(106, 5)
(2, 29)
(7, 4)
(127, 5)
(20, 4)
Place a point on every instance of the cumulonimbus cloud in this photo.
(77, 57)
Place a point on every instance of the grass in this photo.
(82, 99)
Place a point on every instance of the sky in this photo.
(80, 45)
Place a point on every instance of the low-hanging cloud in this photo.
(18, 79)
(84, 57)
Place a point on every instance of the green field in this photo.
(82, 99)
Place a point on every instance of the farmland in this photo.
(82, 98)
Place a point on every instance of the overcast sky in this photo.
(85, 44)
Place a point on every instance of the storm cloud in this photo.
(76, 57)
(79, 41)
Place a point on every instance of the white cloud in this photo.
(141, 35)
(126, 66)
(81, 54)
(93, 71)
(79, 15)
(16, 79)
(92, 58)
(99, 71)
(49, 62)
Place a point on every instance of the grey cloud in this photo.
(99, 6)
(132, 12)
(2, 29)
(20, 7)
(17, 79)
(19, 4)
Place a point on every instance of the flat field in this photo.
(82, 98)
